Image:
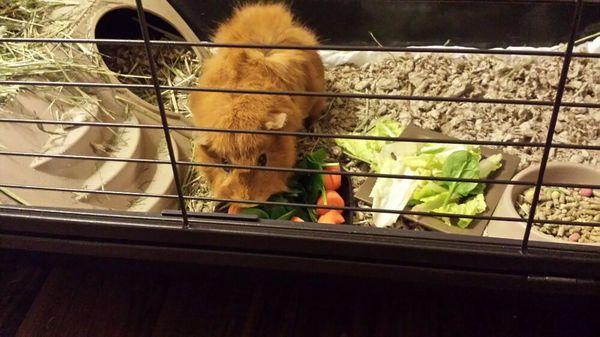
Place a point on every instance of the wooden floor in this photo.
(44, 295)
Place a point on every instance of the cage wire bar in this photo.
(301, 133)
(560, 90)
(277, 203)
(161, 108)
(147, 43)
(304, 93)
(448, 50)
(294, 170)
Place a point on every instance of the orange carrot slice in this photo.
(333, 199)
(296, 219)
(331, 217)
(332, 181)
(331, 167)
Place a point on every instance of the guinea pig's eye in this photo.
(262, 160)
(224, 161)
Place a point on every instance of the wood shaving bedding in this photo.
(473, 77)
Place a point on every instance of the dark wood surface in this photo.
(47, 295)
(19, 284)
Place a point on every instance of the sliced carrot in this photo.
(234, 210)
(331, 167)
(331, 217)
(333, 199)
(296, 219)
(332, 181)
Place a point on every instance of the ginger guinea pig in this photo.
(255, 69)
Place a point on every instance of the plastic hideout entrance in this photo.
(459, 143)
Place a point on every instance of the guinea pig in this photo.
(255, 69)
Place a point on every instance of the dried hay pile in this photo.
(42, 61)
(63, 62)
(177, 66)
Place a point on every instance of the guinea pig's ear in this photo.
(275, 120)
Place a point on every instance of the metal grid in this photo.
(556, 104)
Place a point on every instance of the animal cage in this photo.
(97, 160)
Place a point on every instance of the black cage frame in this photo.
(349, 250)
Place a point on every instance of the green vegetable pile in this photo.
(303, 188)
(445, 196)
(423, 159)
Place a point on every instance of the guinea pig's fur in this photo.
(256, 69)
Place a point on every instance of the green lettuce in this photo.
(438, 160)
(473, 206)
(461, 164)
(428, 189)
(489, 165)
(422, 159)
(367, 150)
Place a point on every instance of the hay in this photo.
(55, 62)
(195, 185)
(177, 66)
(12, 195)
(47, 62)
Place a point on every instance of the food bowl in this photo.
(556, 173)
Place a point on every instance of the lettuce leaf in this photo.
(392, 194)
(367, 150)
(386, 127)
(422, 159)
(436, 201)
(255, 211)
(473, 206)
(428, 189)
(489, 165)
(461, 164)
(389, 193)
